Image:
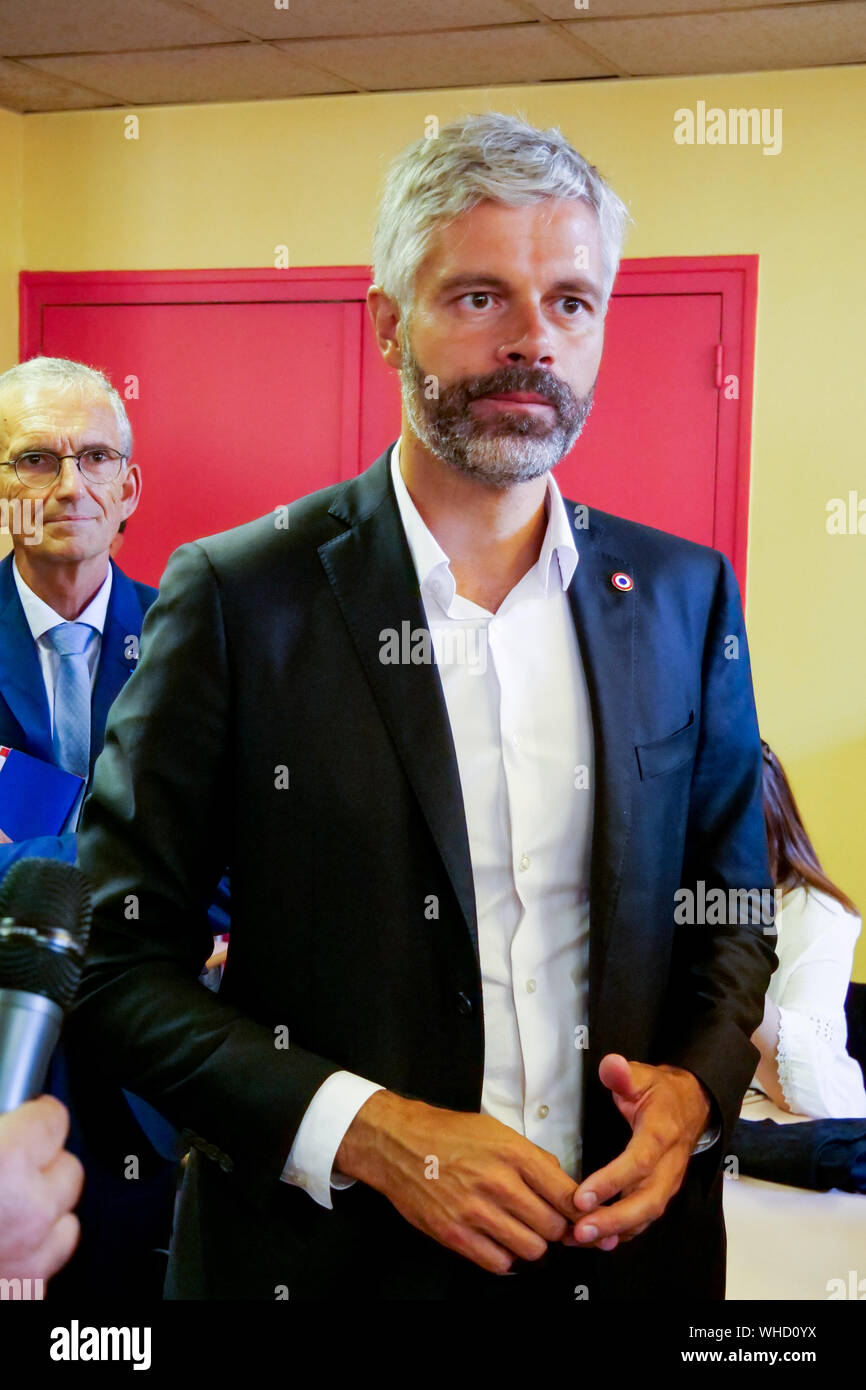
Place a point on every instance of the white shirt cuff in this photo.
(321, 1132)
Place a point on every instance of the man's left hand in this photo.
(668, 1109)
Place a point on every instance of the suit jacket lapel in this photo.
(21, 683)
(117, 661)
(606, 620)
(373, 577)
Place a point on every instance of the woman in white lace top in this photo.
(804, 1066)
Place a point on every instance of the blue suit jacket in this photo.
(25, 724)
(102, 1117)
(25, 719)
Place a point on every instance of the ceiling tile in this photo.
(344, 18)
(790, 36)
(23, 89)
(173, 51)
(99, 26)
(227, 72)
(525, 53)
(613, 9)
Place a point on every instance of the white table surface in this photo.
(787, 1242)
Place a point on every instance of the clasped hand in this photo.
(667, 1109)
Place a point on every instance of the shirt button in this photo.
(543, 1112)
(515, 740)
(524, 861)
(530, 986)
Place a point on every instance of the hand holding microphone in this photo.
(39, 1186)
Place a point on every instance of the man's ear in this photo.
(386, 319)
(131, 490)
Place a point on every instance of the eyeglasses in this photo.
(39, 468)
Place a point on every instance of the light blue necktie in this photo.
(72, 697)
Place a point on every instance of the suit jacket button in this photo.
(464, 1003)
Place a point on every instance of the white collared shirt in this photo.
(41, 617)
(519, 711)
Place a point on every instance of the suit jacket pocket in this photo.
(665, 754)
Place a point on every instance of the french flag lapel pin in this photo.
(622, 581)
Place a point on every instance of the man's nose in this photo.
(528, 341)
(70, 480)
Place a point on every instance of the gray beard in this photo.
(499, 452)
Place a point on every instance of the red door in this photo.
(247, 389)
(239, 407)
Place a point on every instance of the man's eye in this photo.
(478, 294)
(95, 456)
(577, 303)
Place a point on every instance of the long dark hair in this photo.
(792, 855)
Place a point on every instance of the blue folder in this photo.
(35, 797)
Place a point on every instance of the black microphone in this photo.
(44, 929)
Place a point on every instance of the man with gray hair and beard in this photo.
(460, 1035)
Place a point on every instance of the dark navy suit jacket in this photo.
(263, 652)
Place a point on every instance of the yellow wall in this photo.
(11, 215)
(221, 185)
(11, 254)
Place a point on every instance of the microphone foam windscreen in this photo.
(49, 897)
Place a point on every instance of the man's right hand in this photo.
(39, 1185)
(471, 1183)
(4, 838)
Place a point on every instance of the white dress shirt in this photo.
(519, 711)
(816, 951)
(40, 619)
